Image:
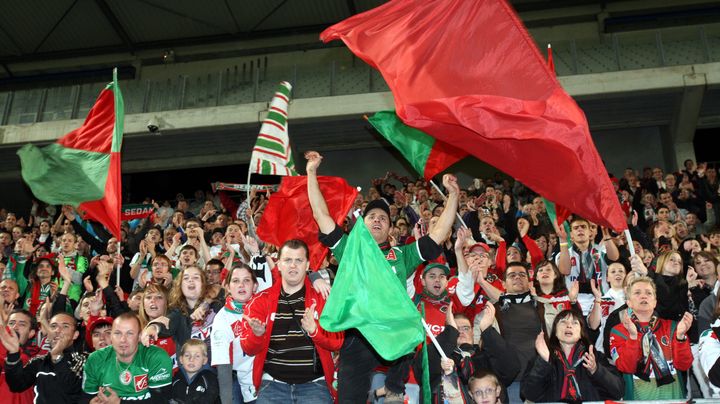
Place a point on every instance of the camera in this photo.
(153, 125)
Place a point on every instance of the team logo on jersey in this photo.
(141, 383)
(391, 255)
(125, 377)
(236, 328)
(664, 340)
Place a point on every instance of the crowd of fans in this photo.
(521, 308)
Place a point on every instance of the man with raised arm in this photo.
(357, 357)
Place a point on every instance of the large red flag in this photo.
(288, 214)
(467, 73)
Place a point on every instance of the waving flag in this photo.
(367, 295)
(82, 168)
(468, 74)
(425, 154)
(272, 154)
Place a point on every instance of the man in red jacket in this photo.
(292, 363)
(22, 324)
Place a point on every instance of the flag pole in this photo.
(457, 214)
(433, 339)
(247, 197)
(117, 279)
(631, 246)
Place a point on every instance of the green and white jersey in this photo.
(403, 259)
(151, 368)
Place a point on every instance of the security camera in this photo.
(153, 125)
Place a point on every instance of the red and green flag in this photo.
(427, 155)
(367, 295)
(82, 168)
(468, 74)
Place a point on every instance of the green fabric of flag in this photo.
(367, 295)
(425, 154)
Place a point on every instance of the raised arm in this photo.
(563, 258)
(447, 218)
(317, 201)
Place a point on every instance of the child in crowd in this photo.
(195, 382)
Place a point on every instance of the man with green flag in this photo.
(364, 299)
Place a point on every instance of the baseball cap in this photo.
(377, 204)
(437, 265)
(483, 246)
(92, 325)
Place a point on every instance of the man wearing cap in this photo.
(434, 298)
(359, 358)
(475, 270)
(57, 376)
(98, 333)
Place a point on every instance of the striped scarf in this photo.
(570, 388)
(653, 360)
(232, 306)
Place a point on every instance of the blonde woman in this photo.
(650, 350)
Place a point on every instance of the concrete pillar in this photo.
(684, 123)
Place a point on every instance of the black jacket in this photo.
(543, 381)
(54, 383)
(496, 355)
(203, 388)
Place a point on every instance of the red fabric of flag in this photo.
(468, 74)
(288, 214)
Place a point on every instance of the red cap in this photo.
(480, 245)
(94, 322)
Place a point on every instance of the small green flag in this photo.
(367, 296)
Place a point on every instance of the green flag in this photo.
(367, 296)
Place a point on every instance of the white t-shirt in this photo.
(226, 350)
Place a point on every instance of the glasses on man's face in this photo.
(483, 393)
(513, 275)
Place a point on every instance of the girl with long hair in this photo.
(190, 311)
(606, 303)
(240, 285)
(551, 294)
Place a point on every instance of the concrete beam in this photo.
(308, 109)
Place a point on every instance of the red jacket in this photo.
(263, 307)
(628, 352)
(6, 396)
